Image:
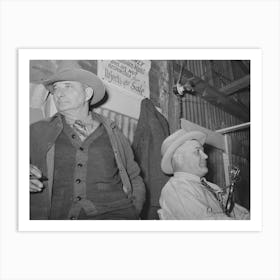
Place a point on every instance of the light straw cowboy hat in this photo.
(174, 141)
(77, 75)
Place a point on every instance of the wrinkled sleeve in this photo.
(133, 171)
(176, 205)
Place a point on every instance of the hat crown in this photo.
(170, 139)
(67, 65)
(173, 142)
(70, 71)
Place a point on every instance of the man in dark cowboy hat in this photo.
(82, 166)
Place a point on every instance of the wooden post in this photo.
(169, 103)
(227, 158)
(163, 85)
(174, 108)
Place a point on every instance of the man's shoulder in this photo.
(178, 184)
(107, 122)
(43, 124)
(169, 186)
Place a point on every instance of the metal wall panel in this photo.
(125, 123)
(199, 111)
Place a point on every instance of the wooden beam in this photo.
(234, 128)
(236, 85)
(220, 100)
(215, 97)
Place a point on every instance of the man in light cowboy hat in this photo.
(82, 166)
(187, 195)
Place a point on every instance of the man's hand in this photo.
(35, 174)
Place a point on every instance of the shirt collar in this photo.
(87, 121)
(194, 178)
(187, 176)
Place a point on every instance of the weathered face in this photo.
(68, 95)
(191, 158)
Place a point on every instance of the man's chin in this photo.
(62, 108)
(204, 170)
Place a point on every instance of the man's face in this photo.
(192, 158)
(68, 95)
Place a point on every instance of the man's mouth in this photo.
(62, 101)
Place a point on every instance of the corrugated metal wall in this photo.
(125, 123)
(199, 111)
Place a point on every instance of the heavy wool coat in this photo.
(43, 135)
(152, 129)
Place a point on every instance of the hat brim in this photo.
(166, 162)
(82, 76)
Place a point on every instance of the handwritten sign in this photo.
(129, 75)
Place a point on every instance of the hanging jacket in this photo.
(152, 129)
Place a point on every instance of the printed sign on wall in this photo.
(129, 75)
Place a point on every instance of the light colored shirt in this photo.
(83, 128)
(185, 198)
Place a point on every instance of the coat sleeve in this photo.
(34, 145)
(133, 172)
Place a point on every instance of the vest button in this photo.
(78, 181)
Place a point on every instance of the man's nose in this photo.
(60, 92)
(204, 155)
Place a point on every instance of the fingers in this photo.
(35, 171)
(35, 174)
(36, 185)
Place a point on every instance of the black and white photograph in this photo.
(182, 153)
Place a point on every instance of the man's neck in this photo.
(187, 175)
(82, 114)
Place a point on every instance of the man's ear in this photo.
(89, 93)
(176, 160)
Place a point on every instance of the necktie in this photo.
(81, 129)
(217, 193)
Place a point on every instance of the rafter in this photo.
(236, 85)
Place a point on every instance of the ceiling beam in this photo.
(215, 97)
(212, 95)
(236, 85)
(219, 99)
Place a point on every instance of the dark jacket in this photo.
(43, 135)
(152, 129)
